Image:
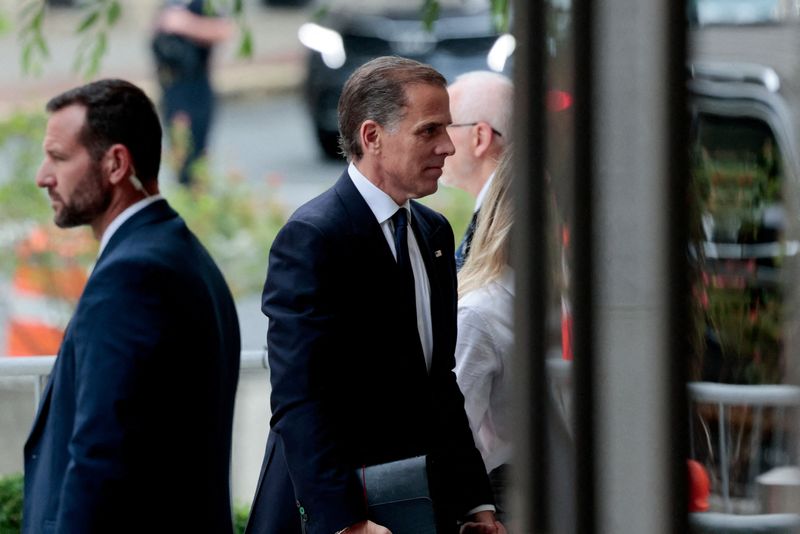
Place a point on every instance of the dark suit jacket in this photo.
(134, 430)
(349, 386)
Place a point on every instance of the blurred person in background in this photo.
(185, 34)
(480, 106)
(486, 331)
(133, 433)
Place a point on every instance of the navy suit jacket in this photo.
(349, 384)
(134, 430)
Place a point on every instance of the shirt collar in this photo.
(482, 192)
(506, 279)
(381, 204)
(120, 219)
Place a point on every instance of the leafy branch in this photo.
(501, 9)
(99, 17)
(34, 46)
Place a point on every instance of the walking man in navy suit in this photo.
(134, 430)
(361, 300)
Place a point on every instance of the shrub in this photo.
(11, 504)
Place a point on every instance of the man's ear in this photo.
(117, 164)
(370, 135)
(483, 139)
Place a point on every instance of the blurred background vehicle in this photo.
(348, 34)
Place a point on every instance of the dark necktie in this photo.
(400, 220)
(463, 249)
(408, 289)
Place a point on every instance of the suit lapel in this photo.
(363, 223)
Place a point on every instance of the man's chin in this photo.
(430, 190)
(61, 223)
(69, 220)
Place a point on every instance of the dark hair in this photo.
(377, 91)
(117, 112)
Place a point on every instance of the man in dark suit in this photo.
(361, 300)
(480, 106)
(134, 430)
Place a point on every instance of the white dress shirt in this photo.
(383, 207)
(483, 355)
(482, 192)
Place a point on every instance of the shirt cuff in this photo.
(482, 508)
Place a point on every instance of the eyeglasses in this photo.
(474, 124)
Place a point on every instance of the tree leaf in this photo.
(246, 43)
(29, 9)
(113, 13)
(429, 13)
(99, 50)
(88, 21)
(41, 45)
(500, 15)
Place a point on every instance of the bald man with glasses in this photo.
(480, 106)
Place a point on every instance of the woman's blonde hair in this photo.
(490, 249)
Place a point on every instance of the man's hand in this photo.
(483, 523)
(367, 527)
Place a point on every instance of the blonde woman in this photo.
(485, 328)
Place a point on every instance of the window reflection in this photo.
(737, 181)
(743, 407)
(560, 181)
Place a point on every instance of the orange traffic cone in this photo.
(45, 287)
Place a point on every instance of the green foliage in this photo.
(31, 35)
(501, 9)
(11, 504)
(241, 513)
(456, 205)
(100, 17)
(5, 23)
(22, 204)
(236, 10)
(235, 220)
(430, 12)
(20, 147)
(500, 14)
(98, 20)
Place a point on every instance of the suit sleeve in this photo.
(297, 300)
(115, 331)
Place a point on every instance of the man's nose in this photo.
(448, 148)
(44, 176)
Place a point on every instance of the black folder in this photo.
(398, 496)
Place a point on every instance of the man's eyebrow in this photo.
(431, 124)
